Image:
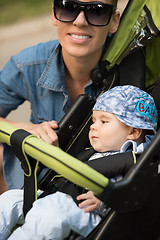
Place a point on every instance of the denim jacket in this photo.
(37, 75)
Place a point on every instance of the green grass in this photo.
(17, 10)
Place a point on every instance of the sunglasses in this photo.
(96, 13)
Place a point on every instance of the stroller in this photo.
(131, 215)
(134, 201)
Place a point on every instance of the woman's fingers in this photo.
(45, 131)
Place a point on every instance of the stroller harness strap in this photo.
(29, 166)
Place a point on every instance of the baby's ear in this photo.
(134, 133)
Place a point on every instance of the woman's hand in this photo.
(91, 203)
(45, 131)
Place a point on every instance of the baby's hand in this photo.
(90, 203)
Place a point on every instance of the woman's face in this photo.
(81, 39)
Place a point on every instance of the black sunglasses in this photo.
(96, 13)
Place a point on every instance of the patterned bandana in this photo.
(130, 105)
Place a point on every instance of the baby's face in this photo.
(107, 133)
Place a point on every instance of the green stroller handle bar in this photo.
(56, 159)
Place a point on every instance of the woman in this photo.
(52, 75)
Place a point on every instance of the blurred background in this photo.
(23, 24)
(13, 11)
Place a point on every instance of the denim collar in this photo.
(53, 76)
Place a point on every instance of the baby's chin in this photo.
(102, 150)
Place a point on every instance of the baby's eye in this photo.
(104, 121)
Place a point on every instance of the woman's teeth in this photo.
(79, 36)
